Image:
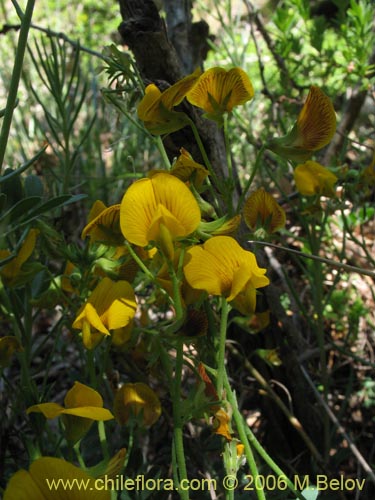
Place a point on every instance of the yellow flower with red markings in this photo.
(11, 272)
(261, 210)
(104, 224)
(158, 211)
(222, 267)
(156, 107)
(218, 91)
(186, 169)
(314, 128)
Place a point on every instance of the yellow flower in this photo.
(156, 107)
(83, 405)
(11, 271)
(136, 400)
(314, 129)
(104, 224)
(158, 210)
(221, 267)
(111, 305)
(185, 169)
(311, 178)
(221, 424)
(217, 91)
(262, 210)
(36, 484)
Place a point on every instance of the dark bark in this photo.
(145, 33)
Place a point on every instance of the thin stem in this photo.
(242, 435)
(247, 437)
(318, 306)
(229, 194)
(178, 420)
(251, 178)
(202, 150)
(103, 439)
(15, 79)
(330, 262)
(222, 340)
(160, 145)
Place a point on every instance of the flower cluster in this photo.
(159, 250)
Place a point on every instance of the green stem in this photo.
(147, 272)
(130, 447)
(251, 178)
(330, 262)
(15, 79)
(242, 435)
(79, 456)
(103, 439)
(221, 353)
(230, 185)
(318, 306)
(163, 153)
(178, 420)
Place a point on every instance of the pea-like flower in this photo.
(222, 267)
(103, 224)
(311, 179)
(261, 210)
(137, 401)
(156, 107)
(82, 406)
(11, 272)
(218, 91)
(159, 209)
(35, 484)
(314, 128)
(111, 305)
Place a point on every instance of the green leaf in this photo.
(23, 167)
(33, 186)
(20, 208)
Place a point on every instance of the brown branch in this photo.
(351, 112)
(255, 17)
(144, 32)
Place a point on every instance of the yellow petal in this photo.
(34, 485)
(87, 315)
(49, 410)
(105, 226)
(177, 92)
(262, 209)
(82, 395)
(221, 424)
(218, 90)
(116, 303)
(149, 104)
(222, 267)
(13, 267)
(204, 271)
(185, 168)
(316, 123)
(133, 399)
(311, 178)
(140, 205)
(22, 486)
(89, 412)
